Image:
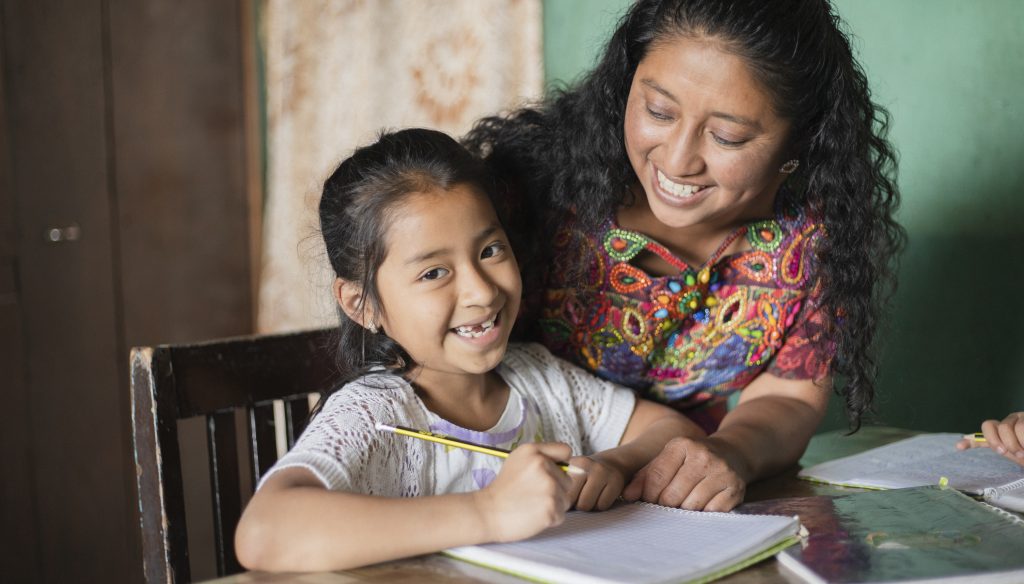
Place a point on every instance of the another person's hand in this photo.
(1005, 437)
(599, 487)
(530, 494)
(694, 474)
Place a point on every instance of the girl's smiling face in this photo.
(702, 136)
(449, 285)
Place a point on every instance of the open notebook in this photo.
(925, 460)
(916, 535)
(639, 543)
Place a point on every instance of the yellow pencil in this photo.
(977, 437)
(457, 443)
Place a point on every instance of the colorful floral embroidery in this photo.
(696, 336)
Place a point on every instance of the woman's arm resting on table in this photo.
(650, 427)
(766, 433)
(294, 524)
(775, 419)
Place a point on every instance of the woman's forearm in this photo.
(650, 428)
(770, 428)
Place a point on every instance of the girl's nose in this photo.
(476, 288)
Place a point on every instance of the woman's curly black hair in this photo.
(568, 152)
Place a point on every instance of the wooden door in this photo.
(128, 194)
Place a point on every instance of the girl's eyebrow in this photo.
(753, 124)
(484, 234)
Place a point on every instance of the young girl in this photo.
(429, 289)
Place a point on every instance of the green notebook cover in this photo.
(921, 534)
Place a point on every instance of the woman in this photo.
(721, 189)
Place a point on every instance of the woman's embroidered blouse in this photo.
(692, 338)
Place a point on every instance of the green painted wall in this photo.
(951, 72)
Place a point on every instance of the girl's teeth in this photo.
(681, 191)
(475, 331)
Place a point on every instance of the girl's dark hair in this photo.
(356, 210)
(568, 152)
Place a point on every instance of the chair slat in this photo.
(296, 416)
(158, 467)
(225, 483)
(262, 440)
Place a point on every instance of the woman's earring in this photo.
(372, 328)
(789, 166)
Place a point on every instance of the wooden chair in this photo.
(214, 380)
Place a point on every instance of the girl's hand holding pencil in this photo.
(1005, 437)
(599, 487)
(529, 495)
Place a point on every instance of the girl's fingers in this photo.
(609, 495)
(578, 480)
(553, 450)
(1018, 429)
(990, 428)
(635, 489)
(589, 495)
(1010, 444)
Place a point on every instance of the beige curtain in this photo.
(337, 71)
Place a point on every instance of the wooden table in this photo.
(436, 568)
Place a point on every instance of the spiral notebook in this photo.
(917, 535)
(639, 543)
(925, 460)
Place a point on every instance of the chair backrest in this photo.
(215, 379)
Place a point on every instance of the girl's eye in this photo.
(660, 116)
(724, 142)
(434, 274)
(492, 250)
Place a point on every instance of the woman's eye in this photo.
(492, 250)
(725, 142)
(434, 274)
(660, 116)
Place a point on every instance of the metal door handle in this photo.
(63, 234)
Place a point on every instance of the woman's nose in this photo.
(683, 156)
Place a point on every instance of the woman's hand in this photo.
(599, 487)
(1005, 437)
(530, 494)
(692, 473)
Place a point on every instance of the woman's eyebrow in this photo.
(650, 83)
(743, 121)
(753, 124)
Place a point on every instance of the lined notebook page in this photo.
(920, 461)
(637, 543)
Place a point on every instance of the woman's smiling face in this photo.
(702, 136)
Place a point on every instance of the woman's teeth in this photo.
(475, 330)
(676, 189)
